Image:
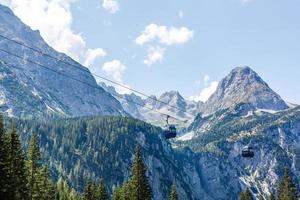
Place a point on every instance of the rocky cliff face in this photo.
(274, 136)
(40, 90)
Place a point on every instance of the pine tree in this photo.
(287, 189)
(33, 165)
(62, 190)
(17, 171)
(4, 163)
(272, 197)
(138, 185)
(45, 185)
(74, 195)
(117, 194)
(101, 193)
(246, 195)
(173, 194)
(89, 191)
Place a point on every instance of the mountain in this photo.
(149, 109)
(27, 89)
(223, 134)
(209, 166)
(243, 85)
(103, 147)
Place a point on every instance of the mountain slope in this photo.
(274, 137)
(103, 147)
(243, 85)
(54, 92)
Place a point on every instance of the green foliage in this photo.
(139, 185)
(17, 170)
(137, 188)
(246, 195)
(287, 189)
(173, 194)
(101, 193)
(33, 166)
(4, 161)
(272, 197)
(89, 191)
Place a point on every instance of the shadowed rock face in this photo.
(48, 91)
(243, 85)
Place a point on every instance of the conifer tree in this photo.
(4, 164)
(62, 189)
(246, 195)
(272, 197)
(45, 185)
(101, 193)
(138, 185)
(89, 191)
(117, 194)
(74, 195)
(17, 170)
(33, 165)
(173, 194)
(287, 189)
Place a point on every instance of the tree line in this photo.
(24, 177)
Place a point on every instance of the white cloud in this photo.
(154, 55)
(165, 35)
(158, 38)
(115, 70)
(53, 18)
(111, 5)
(180, 14)
(210, 88)
(92, 55)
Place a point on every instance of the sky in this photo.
(184, 45)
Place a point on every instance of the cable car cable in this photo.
(88, 71)
(88, 84)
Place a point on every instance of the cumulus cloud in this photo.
(93, 54)
(155, 54)
(115, 70)
(164, 35)
(53, 18)
(206, 92)
(111, 5)
(158, 38)
(210, 88)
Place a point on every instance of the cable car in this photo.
(170, 130)
(247, 152)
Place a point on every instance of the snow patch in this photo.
(187, 136)
(267, 111)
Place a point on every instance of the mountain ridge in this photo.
(54, 93)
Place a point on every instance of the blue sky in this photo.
(190, 44)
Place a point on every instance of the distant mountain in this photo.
(148, 109)
(243, 85)
(30, 90)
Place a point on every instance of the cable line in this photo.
(75, 79)
(96, 75)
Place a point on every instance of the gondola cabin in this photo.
(248, 152)
(170, 132)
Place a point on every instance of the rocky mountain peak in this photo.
(243, 85)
